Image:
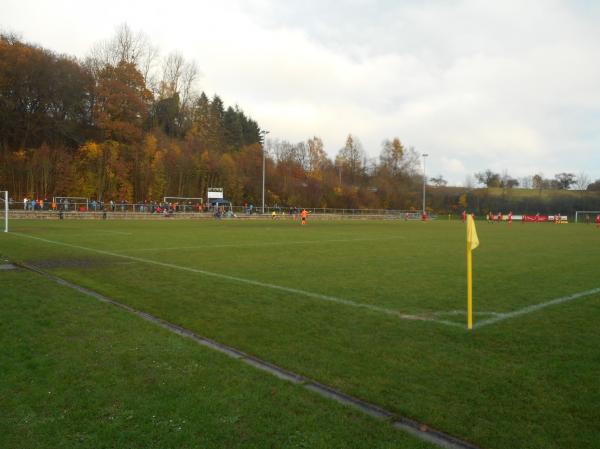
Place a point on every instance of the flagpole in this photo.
(469, 287)
(472, 243)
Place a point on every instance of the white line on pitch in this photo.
(535, 307)
(346, 302)
(464, 312)
(258, 244)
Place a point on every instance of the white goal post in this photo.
(587, 216)
(65, 202)
(4, 202)
(183, 202)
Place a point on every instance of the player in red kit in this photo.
(598, 221)
(463, 216)
(510, 217)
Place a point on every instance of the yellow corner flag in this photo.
(472, 239)
(472, 243)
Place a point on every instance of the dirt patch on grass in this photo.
(7, 266)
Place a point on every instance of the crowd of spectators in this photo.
(82, 205)
(219, 210)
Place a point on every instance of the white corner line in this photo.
(296, 291)
(535, 307)
(464, 312)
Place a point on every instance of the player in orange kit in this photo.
(303, 216)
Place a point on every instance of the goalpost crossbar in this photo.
(183, 198)
(65, 202)
(585, 212)
(58, 198)
(183, 203)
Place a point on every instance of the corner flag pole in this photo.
(469, 287)
(472, 243)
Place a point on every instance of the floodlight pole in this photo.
(424, 180)
(6, 211)
(264, 133)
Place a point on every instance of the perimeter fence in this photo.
(222, 210)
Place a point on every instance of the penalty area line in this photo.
(535, 307)
(296, 291)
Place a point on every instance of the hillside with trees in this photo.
(128, 124)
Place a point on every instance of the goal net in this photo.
(586, 216)
(183, 203)
(66, 203)
(4, 206)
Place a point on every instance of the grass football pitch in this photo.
(373, 308)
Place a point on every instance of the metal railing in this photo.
(99, 206)
(161, 207)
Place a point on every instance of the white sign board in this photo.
(215, 193)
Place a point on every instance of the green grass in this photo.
(527, 382)
(80, 374)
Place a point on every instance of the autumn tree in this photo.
(350, 158)
(392, 154)
(174, 108)
(538, 182)
(122, 103)
(317, 158)
(103, 172)
(200, 129)
(125, 46)
(43, 97)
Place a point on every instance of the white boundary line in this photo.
(251, 245)
(464, 312)
(535, 307)
(252, 282)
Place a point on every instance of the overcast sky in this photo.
(507, 85)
